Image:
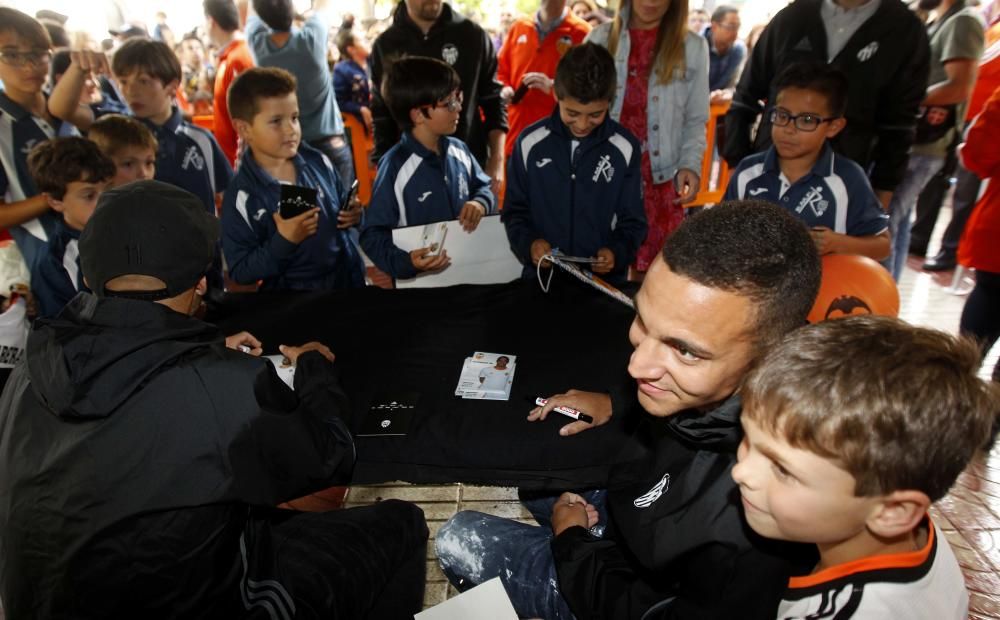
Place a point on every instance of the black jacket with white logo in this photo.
(886, 61)
(464, 45)
(133, 445)
(677, 531)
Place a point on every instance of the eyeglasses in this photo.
(453, 103)
(729, 27)
(803, 122)
(23, 59)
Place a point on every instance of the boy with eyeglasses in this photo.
(801, 173)
(428, 176)
(25, 121)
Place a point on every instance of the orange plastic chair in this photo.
(205, 121)
(713, 186)
(362, 144)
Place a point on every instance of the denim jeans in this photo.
(473, 547)
(338, 151)
(919, 170)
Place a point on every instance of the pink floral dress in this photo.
(662, 214)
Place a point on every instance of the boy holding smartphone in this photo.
(264, 237)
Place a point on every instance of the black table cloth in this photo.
(393, 341)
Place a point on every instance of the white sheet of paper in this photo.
(487, 601)
(285, 373)
(480, 257)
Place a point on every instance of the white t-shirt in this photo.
(494, 379)
(920, 585)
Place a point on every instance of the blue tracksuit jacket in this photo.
(418, 186)
(578, 198)
(255, 251)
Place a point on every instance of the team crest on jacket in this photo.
(563, 45)
(814, 200)
(866, 52)
(604, 169)
(193, 158)
(450, 53)
(661, 487)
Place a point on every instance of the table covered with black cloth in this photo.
(391, 341)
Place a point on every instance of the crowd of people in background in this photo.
(227, 153)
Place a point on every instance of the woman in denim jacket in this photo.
(662, 98)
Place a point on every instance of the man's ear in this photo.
(55, 205)
(835, 126)
(898, 513)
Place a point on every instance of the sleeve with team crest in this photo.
(253, 247)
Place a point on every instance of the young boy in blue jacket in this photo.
(312, 250)
(573, 180)
(427, 177)
(801, 173)
(71, 173)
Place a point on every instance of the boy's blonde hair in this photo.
(114, 132)
(898, 407)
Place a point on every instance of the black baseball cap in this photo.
(148, 228)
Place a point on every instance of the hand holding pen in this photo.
(593, 405)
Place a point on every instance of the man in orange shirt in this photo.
(527, 61)
(222, 23)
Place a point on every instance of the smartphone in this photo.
(296, 200)
(351, 193)
(519, 94)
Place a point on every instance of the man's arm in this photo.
(386, 131)
(300, 441)
(752, 88)
(21, 211)
(494, 110)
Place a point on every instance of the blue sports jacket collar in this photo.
(261, 176)
(822, 168)
(600, 133)
(415, 146)
(13, 108)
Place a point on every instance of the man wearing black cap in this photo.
(141, 455)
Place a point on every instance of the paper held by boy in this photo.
(487, 601)
(480, 257)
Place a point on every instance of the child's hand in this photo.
(605, 261)
(824, 238)
(571, 510)
(351, 216)
(471, 213)
(540, 248)
(90, 62)
(299, 228)
(422, 262)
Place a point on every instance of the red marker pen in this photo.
(569, 412)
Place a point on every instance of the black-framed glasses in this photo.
(803, 122)
(453, 103)
(23, 59)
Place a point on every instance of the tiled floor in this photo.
(969, 516)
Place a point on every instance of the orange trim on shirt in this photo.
(909, 559)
